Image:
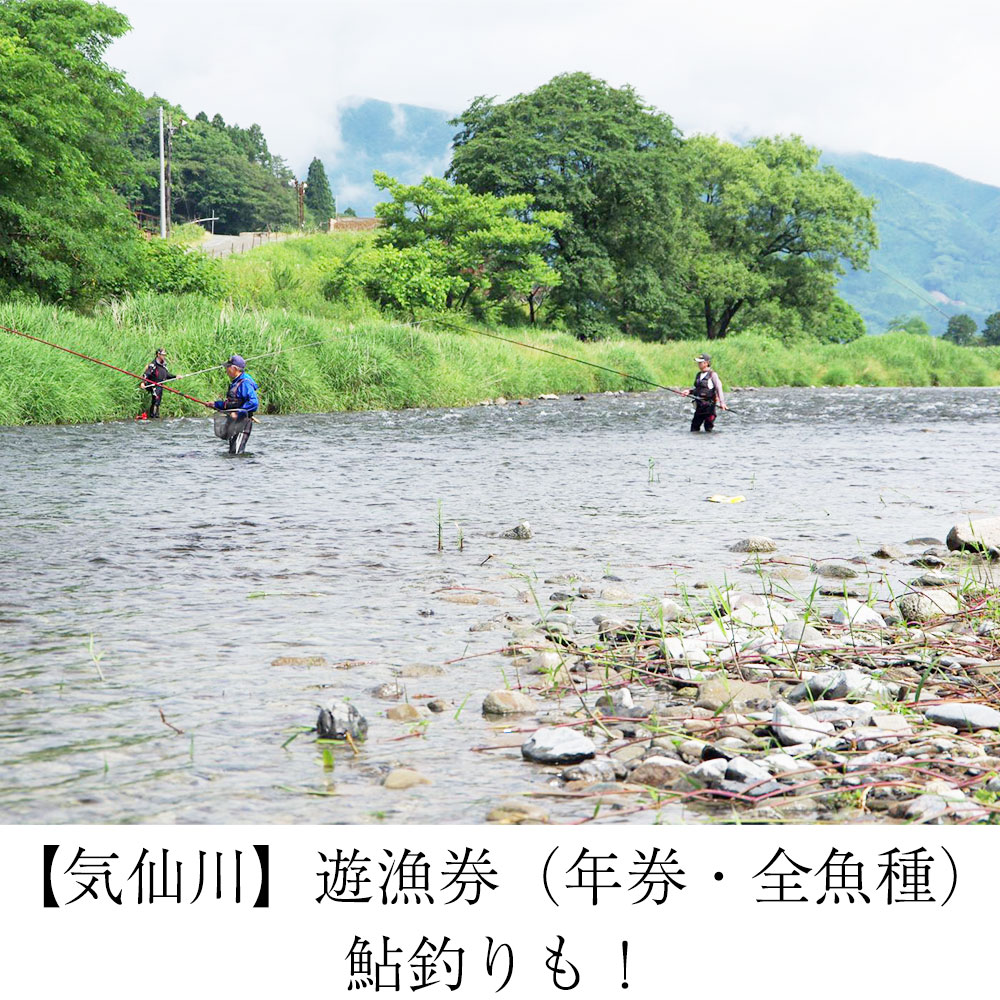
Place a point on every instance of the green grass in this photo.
(368, 361)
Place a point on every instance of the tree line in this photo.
(648, 233)
(577, 204)
(79, 161)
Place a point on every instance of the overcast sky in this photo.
(916, 80)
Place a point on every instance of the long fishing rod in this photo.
(256, 357)
(123, 371)
(565, 357)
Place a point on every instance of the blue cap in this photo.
(236, 361)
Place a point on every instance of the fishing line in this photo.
(256, 357)
(565, 357)
(123, 371)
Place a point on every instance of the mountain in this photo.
(940, 233)
(940, 242)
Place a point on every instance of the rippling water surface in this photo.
(145, 571)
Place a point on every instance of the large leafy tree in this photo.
(64, 232)
(769, 225)
(961, 330)
(609, 163)
(440, 246)
(319, 198)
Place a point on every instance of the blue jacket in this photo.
(242, 393)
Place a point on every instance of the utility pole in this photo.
(163, 189)
(301, 186)
(170, 149)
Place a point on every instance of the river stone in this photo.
(836, 571)
(851, 612)
(403, 713)
(754, 543)
(520, 531)
(710, 772)
(801, 633)
(889, 552)
(934, 580)
(720, 692)
(791, 727)
(504, 702)
(659, 772)
(515, 812)
(616, 595)
(849, 683)
(341, 720)
(558, 746)
(924, 540)
(982, 535)
(299, 661)
(961, 715)
(921, 605)
(598, 769)
(759, 617)
(747, 771)
(400, 778)
(619, 700)
(668, 611)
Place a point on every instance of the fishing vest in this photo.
(233, 399)
(704, 386)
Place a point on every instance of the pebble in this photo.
(558, 746)
(963, 715)
(341, 720)
(400, 778)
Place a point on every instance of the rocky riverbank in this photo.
(861, 700)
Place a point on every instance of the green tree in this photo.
(991, 330)
(909, 324)
(440, 246)
(319, 198)
(215, 168)
(769, 224)
(64, 232)
(961, 330)
(609, 163)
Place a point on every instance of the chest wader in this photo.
(234, 429)
(704, 407)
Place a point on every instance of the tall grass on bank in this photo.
(366, 361)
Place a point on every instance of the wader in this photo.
(704, 407)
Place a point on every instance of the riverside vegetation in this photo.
(273, 299)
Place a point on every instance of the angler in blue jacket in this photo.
(240, 402)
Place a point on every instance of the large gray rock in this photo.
(557, 746)
(791, 727)
(982, 535)
(341, 720)
(754, 543)
(659, 772)
(849, 683)
(598, 769)
(963, 716)
(922, 605)
(504, 702)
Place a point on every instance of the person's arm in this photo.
(719, 397)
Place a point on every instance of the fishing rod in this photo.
(256, 357)
(566, 357)
(123, 371)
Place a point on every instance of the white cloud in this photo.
(915, 80)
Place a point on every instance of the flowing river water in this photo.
(151, 586)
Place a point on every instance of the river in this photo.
(149, 581)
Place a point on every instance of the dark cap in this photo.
(236, 361)
(707, 358)
(161, 350)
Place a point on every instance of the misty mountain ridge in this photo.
(939, 232)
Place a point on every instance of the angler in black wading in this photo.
(155, 373)
(239, 406)
(707, 392)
